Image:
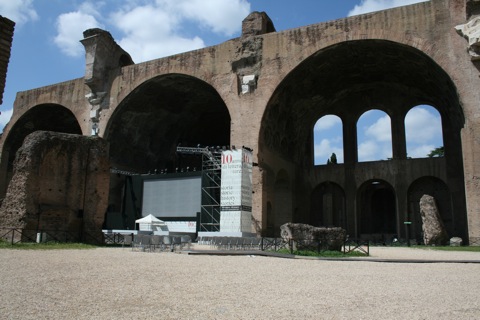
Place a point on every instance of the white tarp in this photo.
(150, 223)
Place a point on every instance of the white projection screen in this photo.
(175, 197)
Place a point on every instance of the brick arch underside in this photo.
(162, 113)
(46, 117)
(346, 80)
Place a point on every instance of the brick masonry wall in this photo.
(6, 37)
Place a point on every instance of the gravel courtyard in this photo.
(116, 283)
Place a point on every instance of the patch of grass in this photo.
(327, 254)
(45, 246)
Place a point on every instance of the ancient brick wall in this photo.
(6, 36)
(60, 183)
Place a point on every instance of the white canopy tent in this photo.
(151, 223)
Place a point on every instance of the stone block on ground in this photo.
(434, 232)
(307, 237)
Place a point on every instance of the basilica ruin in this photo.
(266, 90)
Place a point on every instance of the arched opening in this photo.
(46, 117)
(423, 131)
(328, 140)
(360, 75)
(148, 126)
(441, 193)
(377, 211)
(328, 206)
(374, 132)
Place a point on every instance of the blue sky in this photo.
(46, 47)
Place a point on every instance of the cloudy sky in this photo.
(46, 47)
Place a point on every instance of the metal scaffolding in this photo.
(209, 219)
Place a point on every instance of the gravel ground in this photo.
(116, 283)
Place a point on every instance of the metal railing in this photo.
(279, 244)
(18, 235)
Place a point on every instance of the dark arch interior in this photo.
(377, 209)
(162, 113)
(48, 117)
(147, 127)
(346, 80)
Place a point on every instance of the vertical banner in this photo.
(236, 191)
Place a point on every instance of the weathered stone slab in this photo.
(60, 182)
(309, 237)
(434, 232)
(456, 242)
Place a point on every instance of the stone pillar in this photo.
(399, 142)
(471, 155)
(350, 148)
(350, 152)
(401, 206)
(350, 188)
(102, 57)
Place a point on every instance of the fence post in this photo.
(13, 236)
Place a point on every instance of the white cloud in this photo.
(157, 38)
(70, 27)
(327, 122)
(19, 11)
(367, 151)
(220, 16)
(150, 29)
(324, 150)
(154, 28)
(422, 125)
(371, 150)
(5, 117)
(420, 151)
(375, 5)
(380, 130)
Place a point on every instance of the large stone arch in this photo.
(46, 117)
(161, 113)
(347, 79)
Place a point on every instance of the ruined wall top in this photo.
(257, 23)
(102, 54)
(6, 36)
